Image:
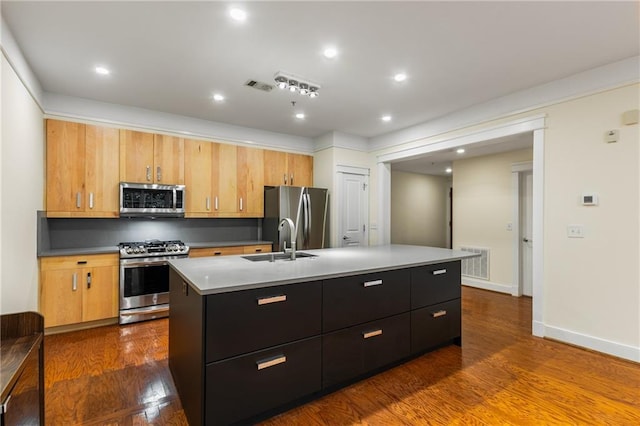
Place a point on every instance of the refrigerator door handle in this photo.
(309, 217)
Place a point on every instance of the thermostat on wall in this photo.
(589, 199)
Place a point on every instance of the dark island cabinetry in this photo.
(241, 355)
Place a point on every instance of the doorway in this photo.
(525, 235)
(353, 214)
(534, 124)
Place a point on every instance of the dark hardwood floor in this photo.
(502, 375)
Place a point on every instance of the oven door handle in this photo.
(138, 264)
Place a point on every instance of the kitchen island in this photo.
(250, 338)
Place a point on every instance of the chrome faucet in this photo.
(292, 231)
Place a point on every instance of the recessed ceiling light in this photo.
(300, 115)
(448, 170)
(386, 118)
(400, 77)
(460, 150)
(102, 71)
(238, 14)
(218, 97)
(330, 52)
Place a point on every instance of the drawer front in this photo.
(435, 325)
(349, 353)
(260, 248)
(71, 262)
(435, 284)
(215, 251)
(355, 300)
(250, 320)
(242, 387)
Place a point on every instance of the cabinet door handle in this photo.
(78, 199)
(372, 283)
(208, 202)
(285, 178)
(439, 314)
(91, 200)
(373, 333)
(81, 262)
(185, 288)
(88, 279)
(5, 406)
(240, 203)
(258, 250)
(159, 173)
(439, 272)
(149, 173)
(270, 362)
(291, 179)
(273, 299)
(74, 282)
(217, 253)
(215, 203)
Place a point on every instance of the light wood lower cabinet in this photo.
(75, 289)
(227, 251)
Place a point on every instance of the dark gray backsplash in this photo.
(64, 233)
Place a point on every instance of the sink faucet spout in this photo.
(292, 232)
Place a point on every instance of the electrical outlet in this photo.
(575, 231)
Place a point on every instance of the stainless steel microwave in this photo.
(140, 199)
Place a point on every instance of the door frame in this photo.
(517, 172)
(535, 124)
(340, 170)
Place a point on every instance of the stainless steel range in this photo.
(144, 278)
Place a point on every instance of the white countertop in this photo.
(211, 275)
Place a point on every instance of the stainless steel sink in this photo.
(267, 257)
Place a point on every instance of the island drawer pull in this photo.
(272, 299)
(373, 333)
(439, 314)
(217, 253)
(270, 362)
(372, 283)
(439, 272)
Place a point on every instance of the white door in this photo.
(526, 243)
(353, 208)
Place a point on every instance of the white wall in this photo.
(482, 208)
(21, 193)
(418, 209)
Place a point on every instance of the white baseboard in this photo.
(590, 342)
(487, 285)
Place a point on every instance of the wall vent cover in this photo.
(476, 267)
(259, 85)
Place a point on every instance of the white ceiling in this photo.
(171, 56)
(436, 163)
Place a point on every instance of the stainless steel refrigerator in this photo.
(305, 206)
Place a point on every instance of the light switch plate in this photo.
(575, 231)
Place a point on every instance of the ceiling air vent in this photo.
(259, 85)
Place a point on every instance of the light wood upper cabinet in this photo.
(282, 168)
(251, 181)
(149, 158)
(75, 289)
(223, 180)
(81, 170)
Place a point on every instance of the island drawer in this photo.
(358, 299)
(242, 387)
(250, 320)
(434, 325)
(435, 284)
(349, 353)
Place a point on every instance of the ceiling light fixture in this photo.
(218, 97)
(238, 14)
(296, 84)
(102, 71)
(460, 150)
(386, 118)
(448, 170)
(400, 77)
(300, 115)
(330, 52)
